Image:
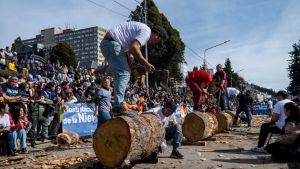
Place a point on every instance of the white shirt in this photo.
(279, 109)
(129, 31)
(232, 91)
(165, 120)
(270, 104)
(4, 121)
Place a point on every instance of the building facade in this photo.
(84, 42)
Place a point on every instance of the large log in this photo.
(128, 139)
(225, 121)
(198, 126)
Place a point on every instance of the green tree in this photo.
(171, 55)
(294, 70)
(231, 74)
(63, 54)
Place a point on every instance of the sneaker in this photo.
(24, 151)
(120, 111)
(258, 150)
(13, 153)
(176, 154)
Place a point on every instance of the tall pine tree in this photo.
(294, 70)
(171, 55)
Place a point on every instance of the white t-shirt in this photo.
(4, 121)
(232, 91)
(129, 31)
(270, 104)
(279, 109)
(165, 120)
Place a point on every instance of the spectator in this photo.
(126, 40)
(40, 123)
(281, 149)
(12, 65)
(270, 107)
(4, 125)
(70, 97)
(103, 101)
(18, 124)
(2, 59)
(277, 121)
(297, 101)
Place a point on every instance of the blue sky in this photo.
(261, 32)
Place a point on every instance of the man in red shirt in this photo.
(198, 81)
(220, 80)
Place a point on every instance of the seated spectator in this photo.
(12, 65)
(277, 121)
(282, 149)
(4, 126)
(18, 124)
(70, 97)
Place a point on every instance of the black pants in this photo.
(222, 96)
(297, 156)
(280, 152)
(265, 129)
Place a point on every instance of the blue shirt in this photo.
(103, 98)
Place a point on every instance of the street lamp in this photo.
(204, 59)
(231, 76)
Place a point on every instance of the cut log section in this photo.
(67, 139)
(198, 126)
(225, 121)
(128, 139)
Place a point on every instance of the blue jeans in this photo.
(174, 132)
(117, 59)
(13, 136)
(247, 111)
(103, 117)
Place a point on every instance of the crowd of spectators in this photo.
(32, 98)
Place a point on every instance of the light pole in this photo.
(204, 60)
(231, 76)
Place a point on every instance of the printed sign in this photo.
(79, 118)
(260, 109)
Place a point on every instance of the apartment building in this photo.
(84, 42)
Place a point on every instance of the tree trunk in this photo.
(67, 139)
(225, 121)
(128, 138)
(231, 113)
(198, 126)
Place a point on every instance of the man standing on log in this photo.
(120, 46)
(173, 130)
(198, 81)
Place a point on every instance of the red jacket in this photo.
(200, 76)
(21, 125)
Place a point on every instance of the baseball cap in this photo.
(162, 34)
(282, 93)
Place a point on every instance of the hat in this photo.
(171, 105)
(162, 34)
(282, 93)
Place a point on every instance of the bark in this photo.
(198, 126)
(128, 139)
(225, 121)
